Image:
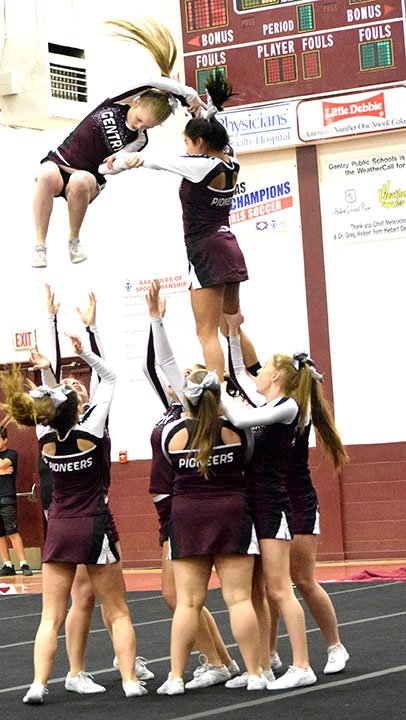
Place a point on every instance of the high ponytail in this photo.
(302, 382)
(151, 35)
(18, 403)
(212, 132)
(219, 89)
(39, 407)
(205, 410)
(326, 430)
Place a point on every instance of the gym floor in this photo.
(370, 603)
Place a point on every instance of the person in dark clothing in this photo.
(8, 509)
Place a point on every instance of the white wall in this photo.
(133, 233)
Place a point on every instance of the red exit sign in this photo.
(24, 340)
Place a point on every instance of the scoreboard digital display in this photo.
(285, 49)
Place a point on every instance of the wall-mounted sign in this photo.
(278, 49)
(24, 339)
(356, 114)
(267, 127)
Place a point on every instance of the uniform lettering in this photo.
(219, 202)
(110, 128)
(71, 466)
(192, 462)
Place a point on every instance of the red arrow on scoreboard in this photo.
(194, 41)
(387, 9)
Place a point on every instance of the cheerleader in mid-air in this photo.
(71, 171)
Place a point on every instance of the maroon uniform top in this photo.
(226, 465)
(205, 209)
(162, 473)
(103, 132)
(79, 475)
(214, 255)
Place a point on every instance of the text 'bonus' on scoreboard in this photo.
(278, 49)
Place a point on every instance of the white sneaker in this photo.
(240, 681)
(83, 684)
(337, 657)
(256, 682)
(292, 678)
(233, 669)
(134, 688)
(206, 675)
(35, 694)
(171, 686)
(141, 669)
(76, 252)
(39, 259)
(275, 662)
(268, 675)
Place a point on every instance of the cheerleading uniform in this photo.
(52, 377)
(78, 521)
(212, 249)
(162, 473)
(210, 516)
(301, 491)
(302, 494)
(274, 426)
(104, 131)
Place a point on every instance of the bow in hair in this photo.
(302, 358)
(56, 394)
(194, 391)
(211, 109)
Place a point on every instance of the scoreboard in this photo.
(289, 49)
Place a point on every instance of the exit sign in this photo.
(24, 340)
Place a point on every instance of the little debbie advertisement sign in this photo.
(354, 114)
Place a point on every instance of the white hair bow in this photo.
(193, 391)
(211, 109)
(302, 358)
(57, 394)
(173, 103)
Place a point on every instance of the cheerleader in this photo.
(274, 415)
(79, 528)
(71, 171)
(302, 495)
(78, 620)
(216, 263)
(160, 368)
(208, 456)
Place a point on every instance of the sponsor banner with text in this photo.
(355, 114)
(363, 198)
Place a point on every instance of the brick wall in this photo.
(363, 513)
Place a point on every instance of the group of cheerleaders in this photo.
(230, 477)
